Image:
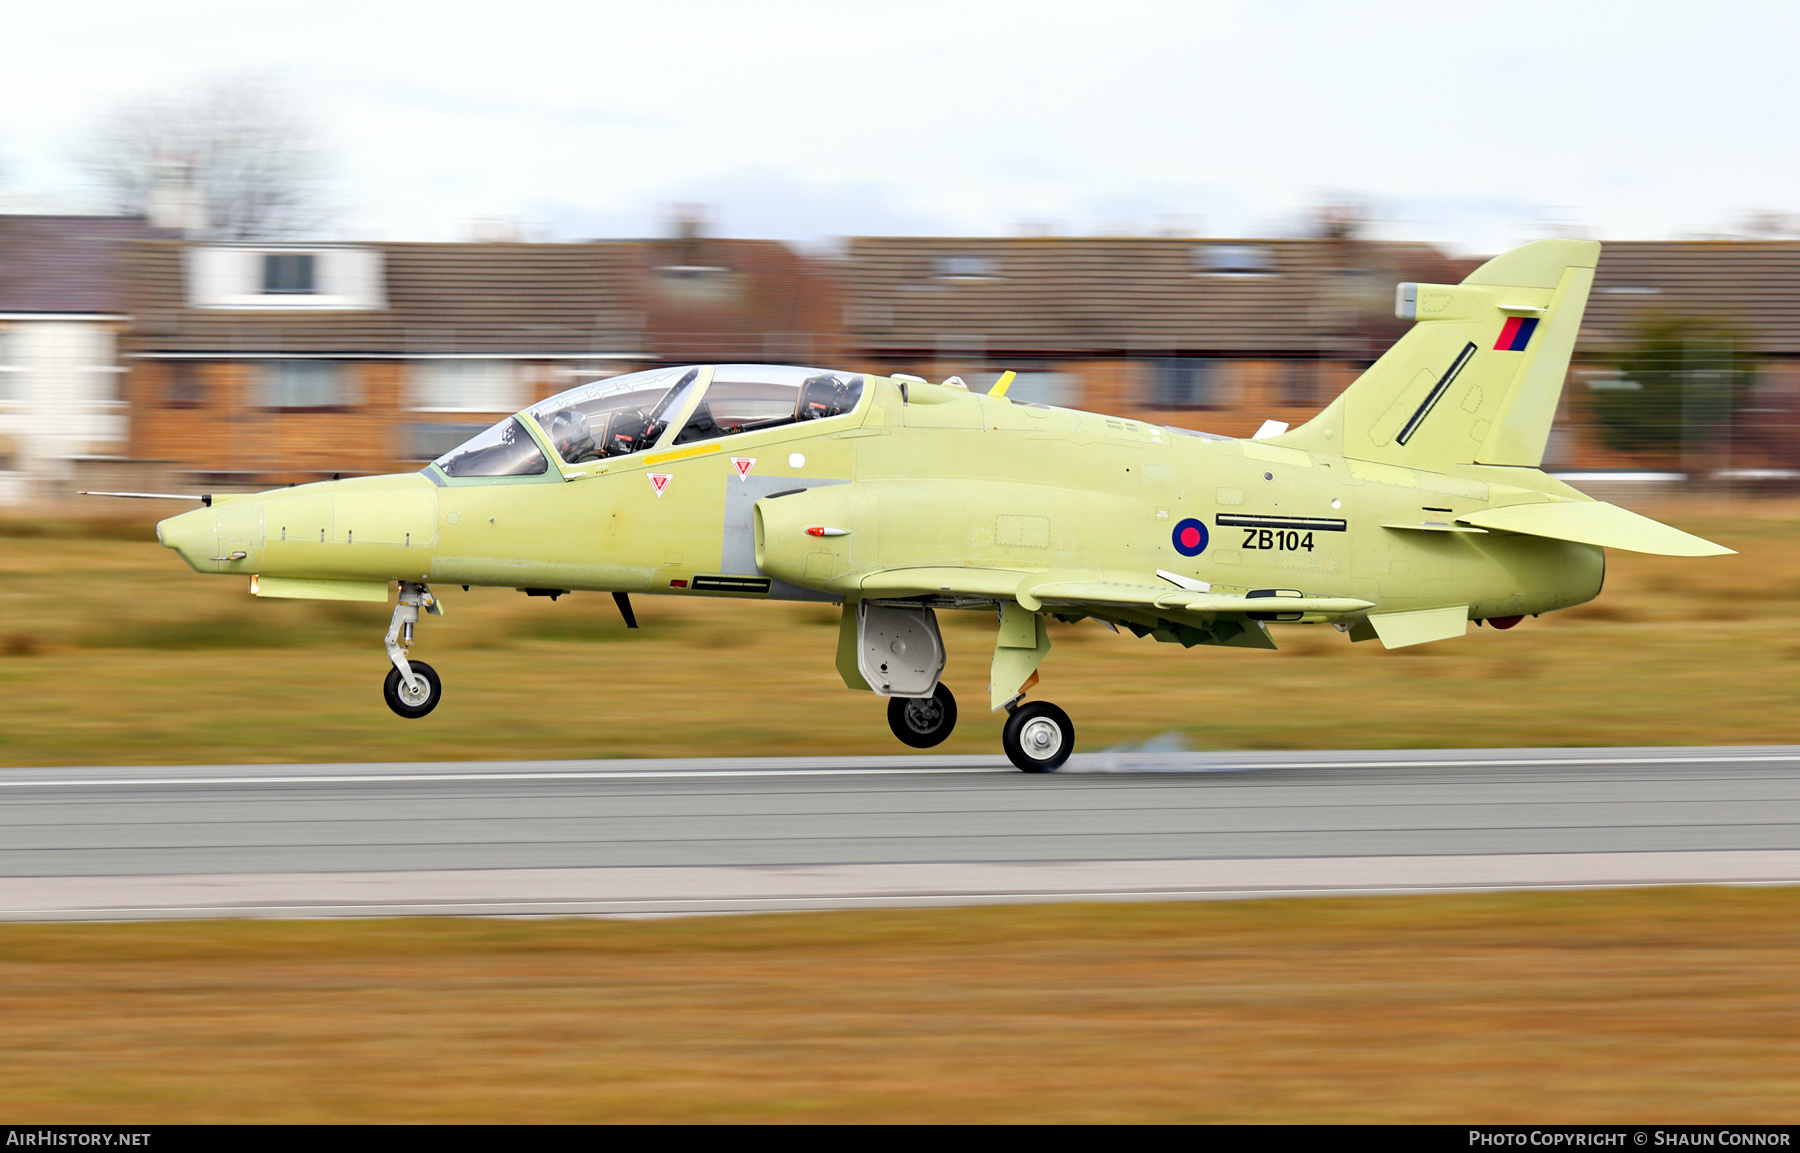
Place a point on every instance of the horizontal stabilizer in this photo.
(1595, 523)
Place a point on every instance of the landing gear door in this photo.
(899, 650)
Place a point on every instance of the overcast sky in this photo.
(1476, 126)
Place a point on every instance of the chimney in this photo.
(176, 203)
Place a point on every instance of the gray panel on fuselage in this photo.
(737, 555)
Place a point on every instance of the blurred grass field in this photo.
(113, 652)
(1646, 1006)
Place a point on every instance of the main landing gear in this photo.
(1038, 737)
(923, 721)
(412, 688)
(896, 650)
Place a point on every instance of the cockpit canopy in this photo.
(628, 414)
(503, 450)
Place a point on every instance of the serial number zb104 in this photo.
(1287, 540)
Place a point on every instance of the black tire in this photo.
(1038, 737)
(434, 691)
(923, 721)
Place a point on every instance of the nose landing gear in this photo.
(416, 696)
(412, 688)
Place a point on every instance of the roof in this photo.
(1070, 295)
(520, 299)
(1753, 286)
(66, 264)
(903, 297)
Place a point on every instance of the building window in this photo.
(464, 386)
(1299, 382)
(287, 273)
(954, 349)
(186, 386)
(965, 266)
(304, 384)
(1184, 382)
(428, 440)
(1234, 260)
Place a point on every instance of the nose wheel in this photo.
(416, 696)
(1038, 737)
(412, 688)
(923, 721)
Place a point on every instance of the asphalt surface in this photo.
(661, 836)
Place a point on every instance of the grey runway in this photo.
(694, 836)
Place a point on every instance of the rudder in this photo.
(1478, 377)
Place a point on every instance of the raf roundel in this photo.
(1190, 537)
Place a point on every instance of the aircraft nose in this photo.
(195, 535)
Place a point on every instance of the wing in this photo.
(1144, 603)
(981, 583)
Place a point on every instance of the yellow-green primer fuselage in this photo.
(941, 479)
(1410, 505)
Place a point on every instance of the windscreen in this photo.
(503, 450)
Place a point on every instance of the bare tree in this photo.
(232, 161)
(1342, 217)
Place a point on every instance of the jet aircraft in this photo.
(1411, 505)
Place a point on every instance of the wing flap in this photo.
(1596, 523)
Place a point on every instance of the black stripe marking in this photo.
(1258, 594)
(1437, 393)
(730, 584)
(1303, 523)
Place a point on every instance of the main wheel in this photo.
(923, 721)
(1038, 737)
(419, 697)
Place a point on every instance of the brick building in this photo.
(260, 364)
(1224, 334)
(1749, 290)
(63, 308)
(1197, 333)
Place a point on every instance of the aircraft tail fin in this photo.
(1477, 379)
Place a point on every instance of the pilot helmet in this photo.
(570, 433)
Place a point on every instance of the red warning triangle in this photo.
(659, 481)
(743, 464)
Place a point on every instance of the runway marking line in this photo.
(700, 889)
(1224, 765)
(402, 778)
